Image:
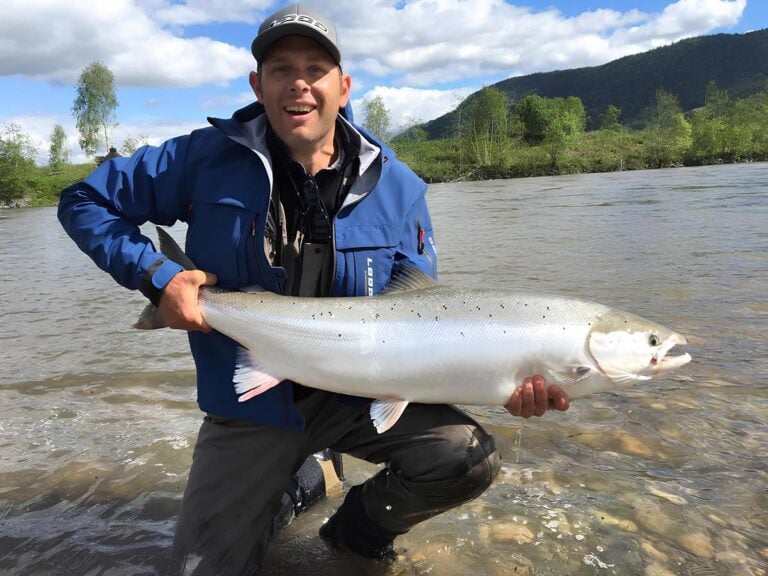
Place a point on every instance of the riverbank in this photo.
(440, 161)
(591, 153)
(44, 185)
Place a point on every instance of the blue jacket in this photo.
(218, 180)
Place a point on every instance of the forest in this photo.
(536, 136)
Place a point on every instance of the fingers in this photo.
(179, 301)
(210, 279)
(534, 397)
(558, 399)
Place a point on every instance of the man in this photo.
(288, 194)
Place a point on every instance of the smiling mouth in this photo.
(299, 110)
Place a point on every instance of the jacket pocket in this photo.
(365, 256)
(218, 239)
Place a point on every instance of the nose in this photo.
(299, 85)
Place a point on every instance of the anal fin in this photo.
(386, 413)
(249, 378)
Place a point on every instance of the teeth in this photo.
(299, 109)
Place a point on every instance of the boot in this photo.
(350, 530)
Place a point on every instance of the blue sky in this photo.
(178, 61)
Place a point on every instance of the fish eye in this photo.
(654, 340)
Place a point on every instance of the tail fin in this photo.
(150, 318)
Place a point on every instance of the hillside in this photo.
(736, 62)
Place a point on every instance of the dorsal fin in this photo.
(172, 250)
(407, 277)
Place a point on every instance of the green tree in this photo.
(377, 119)
(94, 107)
(565, 119)
(17, 163)
(486, 126)
(533, 112)
(610, 118)
(58, 153)
(709, 126)
(668, 134)
(747, 127)
(133, 143)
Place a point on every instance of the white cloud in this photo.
(206, 11)
(409, 106)
(434, 41)
(63, 37)
(416, 42)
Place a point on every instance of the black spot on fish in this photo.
(462, 334)
(436, 319)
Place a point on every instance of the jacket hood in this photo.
(248, 126)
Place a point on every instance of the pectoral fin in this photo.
(250, 378)
(572, 374)
(386, 413)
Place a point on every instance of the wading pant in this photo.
(436, 458)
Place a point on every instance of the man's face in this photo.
(302, 90)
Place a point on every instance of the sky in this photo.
(176, 62)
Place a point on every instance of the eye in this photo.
(654, 340)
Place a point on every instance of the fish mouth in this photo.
(662, 361)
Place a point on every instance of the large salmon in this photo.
(425, 342)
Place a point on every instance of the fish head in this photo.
(628, 348)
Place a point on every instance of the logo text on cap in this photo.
(301, 18)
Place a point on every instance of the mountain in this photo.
(736, 62)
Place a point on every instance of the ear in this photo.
(346, 87)
(254, 79)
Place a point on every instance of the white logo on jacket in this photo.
(369, 277)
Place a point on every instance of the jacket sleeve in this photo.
(102, 213)
(417, 242)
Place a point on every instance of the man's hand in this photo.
(178, 303)
(534, 397)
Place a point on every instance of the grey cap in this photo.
(296, 20)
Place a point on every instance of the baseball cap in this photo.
(296, 20)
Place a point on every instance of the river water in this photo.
(666, 478)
